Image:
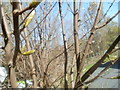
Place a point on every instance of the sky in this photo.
(69, 16)
(85, 5)
(66, 0)
(68, 19)
(106, 5)
(113, 9)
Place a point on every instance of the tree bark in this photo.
(76, 39)
(30, 56)
(65, 47)
(8, 48)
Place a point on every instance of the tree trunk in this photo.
(76, 38)
(65, 47)
(8, 48)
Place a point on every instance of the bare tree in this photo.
(57, 50)
(65, 46)
(76, 37)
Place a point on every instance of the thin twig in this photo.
(70, 8)
(25, 19)
(98, 27)
(97, 64)
(89, 40)
(107, 11)
(42, 19)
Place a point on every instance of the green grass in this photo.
(87, 67)
(110, 58)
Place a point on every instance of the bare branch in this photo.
(90, 39)
(98, 27)
(70, 8)
(24, 20)
(106, 68)
(33, 71)
(114, 50)
(43, 18)
(107, 11)
(29, 7)
(16, 31)
(95, 66)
